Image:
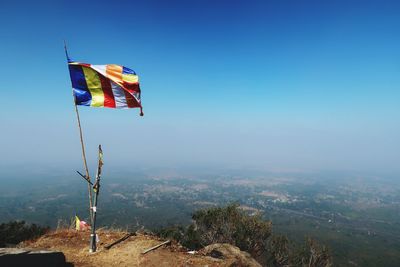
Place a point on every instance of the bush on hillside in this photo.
(282, 252)
(231, 225)
(13, 232)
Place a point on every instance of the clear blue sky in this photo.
(308, 85)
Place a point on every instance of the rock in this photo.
(231, 253)
(15, 257)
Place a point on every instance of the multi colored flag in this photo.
(110, 86)
(81, 225)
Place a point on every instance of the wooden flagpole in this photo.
(87, 175)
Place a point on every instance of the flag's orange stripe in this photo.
(114, 72)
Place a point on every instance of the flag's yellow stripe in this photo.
(94, 85)
(77, 223)
(130, 78)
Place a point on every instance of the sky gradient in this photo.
(291, 85)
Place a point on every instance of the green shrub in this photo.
(231, 225)
(171, 232)
(282, 252)
(13, 232)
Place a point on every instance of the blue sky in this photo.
(287, 85)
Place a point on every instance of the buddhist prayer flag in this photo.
(109, 86)
(81, 225)
(77, 223)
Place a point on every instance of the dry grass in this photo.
(75, 247)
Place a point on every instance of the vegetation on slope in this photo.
(250, 233)
(13, 232)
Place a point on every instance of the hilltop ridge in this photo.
(74, 245)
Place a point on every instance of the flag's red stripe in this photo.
(109, 100)
(131, 87)
(130, 100)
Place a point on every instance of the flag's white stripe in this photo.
(119, 96)
(102, 69)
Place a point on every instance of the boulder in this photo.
(16, 257)
(231, 253)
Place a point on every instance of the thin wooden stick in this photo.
(125, 237)
(84, 159)
(156, 247)
(84, 177)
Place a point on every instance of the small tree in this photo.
(282, 252)
(231, 225)
(279, 250)
(319, 255)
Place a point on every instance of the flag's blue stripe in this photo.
(82, 97)
(77, 77)
(126, 70)
(81, 90)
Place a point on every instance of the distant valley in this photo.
(358, 217)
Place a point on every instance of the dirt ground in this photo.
(75, 246)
